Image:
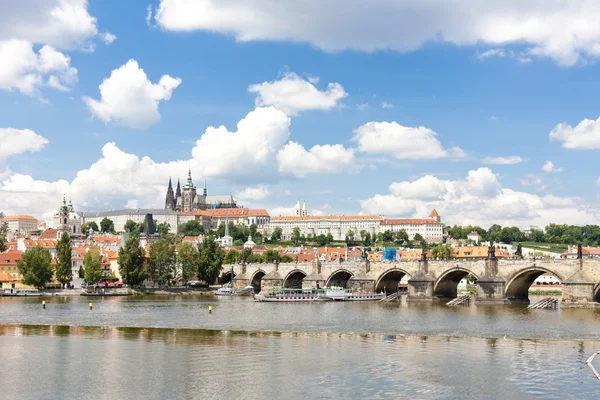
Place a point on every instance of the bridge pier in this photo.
(491, 287)
(362, 283)
(420, 286)
(578, 291)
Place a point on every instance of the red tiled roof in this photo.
(48, 234)
(434, 213)
(10, 217)
(10, 257)
(408, 221)
(258, 213)
(325, 217)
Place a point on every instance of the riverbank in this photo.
(176, 291)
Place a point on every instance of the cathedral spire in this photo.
(204, 192)
(178, 192)
(170, 186)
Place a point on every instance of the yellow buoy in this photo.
(90, 306)
(44, 304)
(210, 309)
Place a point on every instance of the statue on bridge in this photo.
(423, 253)
(491, 251)
(579, 252)
(519, 252)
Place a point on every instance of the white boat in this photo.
(227, 290)
(342, 294)
(292, 296)
(21, 292)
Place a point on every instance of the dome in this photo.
(73, 215)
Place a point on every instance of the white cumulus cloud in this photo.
(295, 160)
(544, 28)
(507, 160)
(586, 135)
(250, 150)
(478, 199)
(402, 142)
(292, 94)
(17, 141)
(129, 98)
(24, 70)
(254, 193)
(550, 167)
(64, 24)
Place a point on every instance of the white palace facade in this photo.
(431, 228)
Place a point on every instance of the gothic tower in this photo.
(170, 200)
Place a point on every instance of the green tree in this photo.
(64, 273)
(231, 257)
(270, 255)
(367, 239)
(162, 261)
(441, 251)
(276, 235)
(211, 260)
(92, 265)
(85, 228)
(35, 267)
(3, 232)
(350, 238)
(131, 262)
(401, 237)
(188, 259)
(191, 228)
(388, 236)
(321, 240)
(329, 238)
(107, 225)
(164, 228)
(131, 227)
(81, 272)
(296, 236)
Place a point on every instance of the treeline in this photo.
(235, 257)
(588, 235)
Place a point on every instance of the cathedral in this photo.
(187, 198)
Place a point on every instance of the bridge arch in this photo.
(339, 278)
(597, 293)
(446, 286)
(226, 277)
(389, 280)
(255, 280)
(293, 280)
(517, 287)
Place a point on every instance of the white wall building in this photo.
(431, 228)
(21, 223)
(120, 217)
(336, 225)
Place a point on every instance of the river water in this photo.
(171, 347)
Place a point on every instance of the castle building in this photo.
(187, 198)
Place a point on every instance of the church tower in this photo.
(304, 213)
(188, 194)
(170, 200)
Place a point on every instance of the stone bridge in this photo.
(498, 280)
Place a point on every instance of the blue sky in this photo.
(489, 96)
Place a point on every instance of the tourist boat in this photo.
(21, 292)
(227, 290)
(342, 294)
(292, 296)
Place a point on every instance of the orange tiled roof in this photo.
(321, 217)
(413, 254)
(6, 277)
(477, 252)
(46, 244)
(195, 212)
(407, 221)
(10, 257)
(434, 213)
(258, 213)
(48, 234)
(19, 217)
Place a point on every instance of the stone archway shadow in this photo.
(446, 286)
(389, 280)
(293, 280)
(255, 281)
(339, 278)
(517, 287)
(226, 277)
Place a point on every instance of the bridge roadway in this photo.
(499, 280)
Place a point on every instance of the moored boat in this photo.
(227, 290)
(21, 292)
(292, 296)
(342, 294)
